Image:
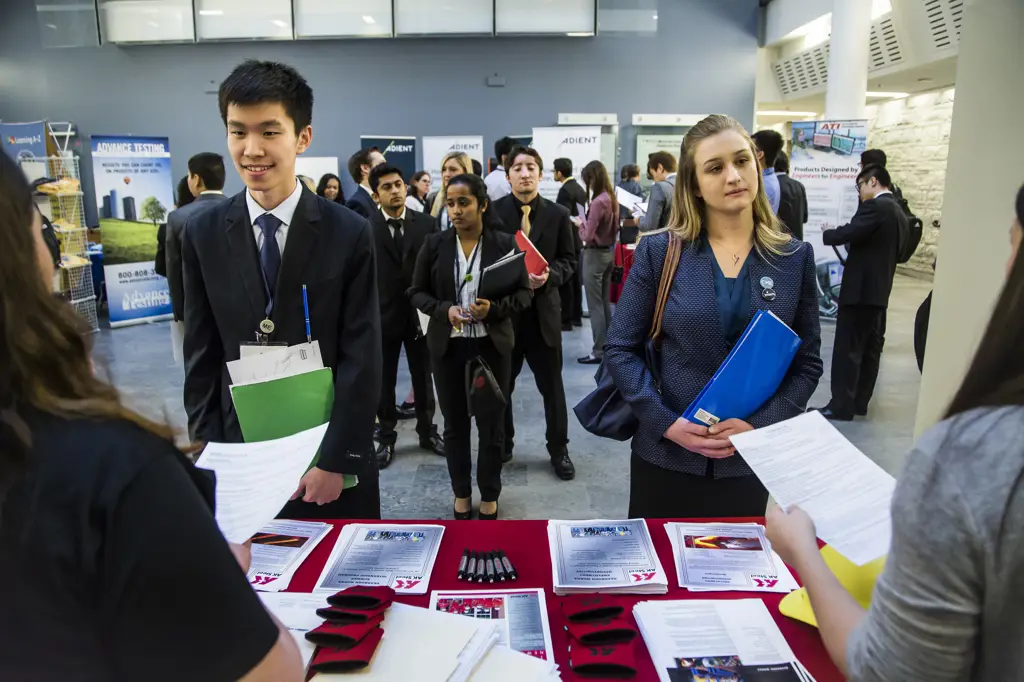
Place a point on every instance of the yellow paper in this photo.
(859, 581)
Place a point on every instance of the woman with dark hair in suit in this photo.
(419, 189)
(734, 261)
(330, 188)
(462, 326)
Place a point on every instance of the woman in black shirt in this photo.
(112, 564)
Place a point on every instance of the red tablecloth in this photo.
(526, 545)
(623, 259)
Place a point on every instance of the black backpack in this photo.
(910, 238)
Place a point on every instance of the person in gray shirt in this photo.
(948, 604)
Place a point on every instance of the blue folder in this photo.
(750, 375)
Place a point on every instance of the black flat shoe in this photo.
(406, 411)
(563, 467)
(385, 455)
(589, 360)
(827, 413)
(434, 443)
(463, 516)
(488, 517)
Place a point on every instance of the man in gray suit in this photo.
(661, 167)
(206, 183)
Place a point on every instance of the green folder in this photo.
(283, 407)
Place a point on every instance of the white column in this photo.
(848, 59)
(982, 177)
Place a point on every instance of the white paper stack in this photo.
(716, 640)
(297, 612)
(602, 556)
(398, 556)
(727, 557)
(502, 664)
(279, 548)
(426, 646)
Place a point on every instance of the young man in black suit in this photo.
(245, 262)
(359, 166)
(571, 195)
(398, 236)
(538, 329)
(792, 198)
(872, 238)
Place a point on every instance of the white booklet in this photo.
(727, 556)
(807, 462)
(604, 556)
(279, 548)
(521, 616)
(398, 556)
(716, 640)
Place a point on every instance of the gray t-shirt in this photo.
(950, 603)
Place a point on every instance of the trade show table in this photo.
(526, 545)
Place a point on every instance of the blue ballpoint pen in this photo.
(305, 308)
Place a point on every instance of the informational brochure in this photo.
(604, 556)
(697, 640)
(727, 556)
(806, 461)
(521, 616)
(278, 362)
(279, 548)
(398, 556)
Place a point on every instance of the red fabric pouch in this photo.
(342, 616)
(345, 661)
(599, 632)
(342, 636)
(588, 607)
(360, 598)
(607, 661)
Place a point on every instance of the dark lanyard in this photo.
(469, 267)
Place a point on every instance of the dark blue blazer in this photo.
(693, 344)
(362, 203)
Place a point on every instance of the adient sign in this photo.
(591, 139)
(398, 149)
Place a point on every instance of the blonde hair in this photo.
(461, 158)
(688, 209)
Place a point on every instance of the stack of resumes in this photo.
(727, 556)
(397, 556)
(716, 640)
(607, 557)
(279, 548)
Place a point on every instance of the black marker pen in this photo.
(490, 568)
(462, 564)
(470, 567)
(499, 570)
(509, 568)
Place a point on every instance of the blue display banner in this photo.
(399, 151)
(24, 140)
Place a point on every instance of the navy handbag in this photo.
(604, 412)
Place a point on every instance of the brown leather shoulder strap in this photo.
(668, 273)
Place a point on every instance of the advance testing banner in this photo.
(435, 148)
(397, 150)
(580, 144)
(826, 159)
(134, 194)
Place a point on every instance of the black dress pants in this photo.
(856, 356)
(450, 377)
(571, 293)
(660, 493)
(422, 386)
(546, 364)
(361, 502)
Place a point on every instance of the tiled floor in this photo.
(139, 362)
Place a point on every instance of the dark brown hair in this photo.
(595, 177)
(44, 360)
(996, 375)
(663, 159)
(518, 151)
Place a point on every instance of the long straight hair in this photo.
(689, 212)
(996, 375)
(461, 158)
(595, 177)
(44, 360)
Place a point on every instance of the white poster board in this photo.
(316, 167)
(435, 148)
(580, 144)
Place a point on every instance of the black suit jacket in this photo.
(570, 195)
(160, 266)
(872, 238)
(175, 228)
(792, 205)
(362, 202)
(395, 270)
(551, 232)
(329, 249)
(433, 289)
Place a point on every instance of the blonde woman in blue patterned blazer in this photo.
(735, 260)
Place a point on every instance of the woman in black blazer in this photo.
(463, 326)
(735, 260)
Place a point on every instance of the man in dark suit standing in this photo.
(571, 195)
(792, 198)
(359, 166)
(872, 238)
(206, 183)
(398, 235)
(538, 328)
(245, 262)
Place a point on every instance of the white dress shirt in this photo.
(284, 212)
(497, 184)
(468, 295)
(388, 217)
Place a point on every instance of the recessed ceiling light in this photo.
(211, 12)
(581, 34)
